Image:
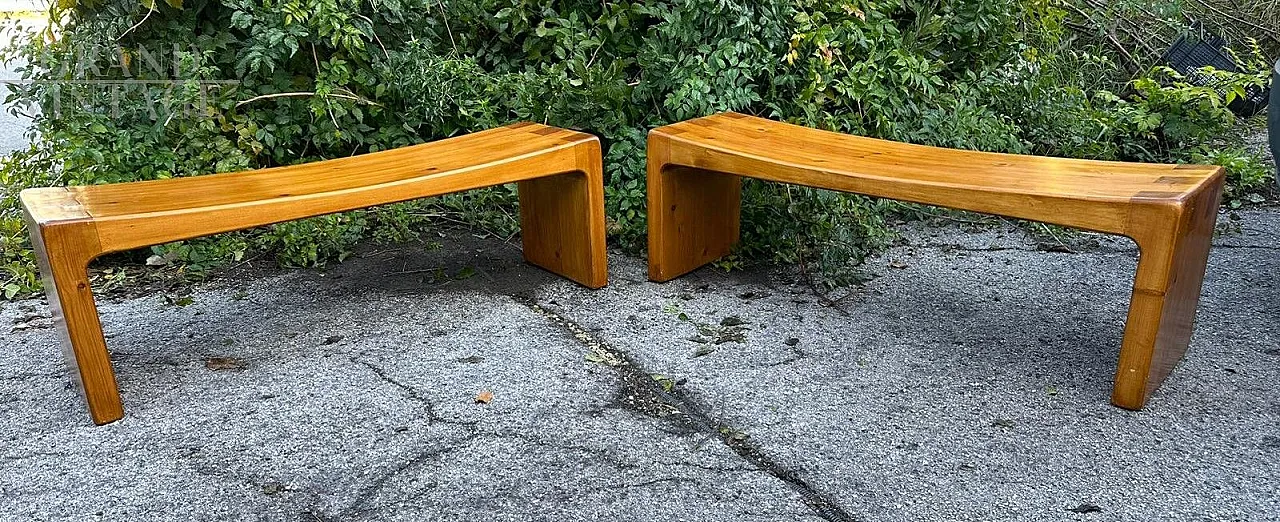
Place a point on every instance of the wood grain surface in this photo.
(1169, 210)
(561, 188)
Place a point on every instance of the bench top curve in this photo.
(438, 159)
(875, 160)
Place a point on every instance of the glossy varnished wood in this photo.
(1169, 210)
(558, 172)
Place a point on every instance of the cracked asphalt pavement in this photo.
(968, 379)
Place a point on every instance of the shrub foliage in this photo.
(329, 78)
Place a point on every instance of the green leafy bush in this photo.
(330, 78)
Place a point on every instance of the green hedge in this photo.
(330, 78)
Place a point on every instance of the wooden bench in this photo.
(561, 215)
(694, 170)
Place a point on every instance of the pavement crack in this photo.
(599, 454)
(34, 455)
(654, 482)
(674, 405)
(365, 505)
(720, 469)
(26, 376)
(364, 500)
(432, 416)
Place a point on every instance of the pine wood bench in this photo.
(561, 213)
(694, 170)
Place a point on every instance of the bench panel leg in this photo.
(66, 283)
(562, 221)
(694, 219)
(1166, 291)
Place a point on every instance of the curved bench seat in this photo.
(1169, 210)
(561, 212)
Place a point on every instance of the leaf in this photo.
(241, 19)
(185, 300)
(484, 397)
(897, 264)
(219, 364)
(665, 382)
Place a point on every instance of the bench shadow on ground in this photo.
(958, 318)
(459, 265)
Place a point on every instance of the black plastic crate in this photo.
(1201, 48)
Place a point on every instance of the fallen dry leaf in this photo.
(485, 397)
(897, 264)
(224, 363)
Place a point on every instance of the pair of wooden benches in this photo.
(694, 175)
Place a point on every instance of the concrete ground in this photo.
(967, 380)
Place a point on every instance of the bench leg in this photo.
(562, 221)
(694, 216)
(1166, 291)
(66, 282)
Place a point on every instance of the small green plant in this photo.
(1248, 175)
(18, 274)
(313, 242)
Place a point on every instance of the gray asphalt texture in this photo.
(967, 380)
